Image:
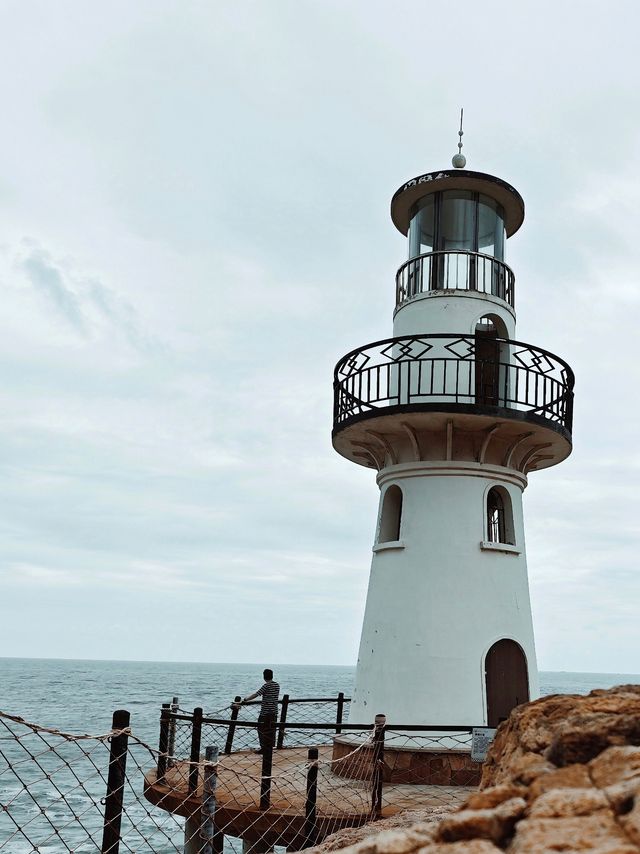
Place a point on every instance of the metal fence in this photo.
(206, 787)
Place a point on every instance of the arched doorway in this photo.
(487, 362)
(507, 680)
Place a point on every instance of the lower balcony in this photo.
(481, 379)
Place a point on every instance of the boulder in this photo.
(563, 774)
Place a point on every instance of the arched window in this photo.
(499, 516)
(391, 515)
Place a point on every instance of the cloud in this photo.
(49, 281)
(86, 304)
(207, 212)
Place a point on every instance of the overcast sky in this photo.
(194, 227)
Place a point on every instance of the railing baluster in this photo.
(163, 746)
(196, 735)
(339, 712)
(310, 812)
(283, 721)
(235, 709)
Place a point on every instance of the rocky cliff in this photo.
(563, 774)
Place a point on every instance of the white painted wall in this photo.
(450, 311)
(435, 606)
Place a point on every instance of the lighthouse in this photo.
(454, 413)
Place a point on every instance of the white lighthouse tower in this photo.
(454, 413)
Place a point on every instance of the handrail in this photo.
(302, 700)
(455, 269)
(331, 725)
(439, 371)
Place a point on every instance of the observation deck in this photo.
(314, 775)
(426, 384)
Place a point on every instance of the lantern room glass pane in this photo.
(422, 228)
(490, 228)
(457, 221)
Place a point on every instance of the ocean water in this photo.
(80, 697)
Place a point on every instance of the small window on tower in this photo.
(499, 516)
(391, 515)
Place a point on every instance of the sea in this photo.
(79, 697)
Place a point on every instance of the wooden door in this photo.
(487, 367)
(507, 680)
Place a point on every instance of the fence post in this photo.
(283, 720)
(213, 842)
(171, 746)
(115, 784)
(163, 745)
(235, 710)
(378, 765)
(265, 781)
(196, 736)
(339, 712)
(310, 829)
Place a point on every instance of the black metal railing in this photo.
(455, 270)
(443, 372)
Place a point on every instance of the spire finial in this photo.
(459, 161)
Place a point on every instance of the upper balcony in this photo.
(455, 270)
(489, 383)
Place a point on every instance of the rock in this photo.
(473, 846)
(401, 841)
(583, 738)
(630, 823)
(494, 796)
(424, 820)
(598, 832)
(563, 774)
(495, 824)
(563, 729)
(562, 803)
(615, 765)
(571, 777)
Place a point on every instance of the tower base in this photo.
(409, 765)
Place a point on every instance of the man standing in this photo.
(270, 692)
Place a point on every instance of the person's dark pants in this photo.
(267, 731)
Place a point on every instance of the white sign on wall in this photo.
(481, 738)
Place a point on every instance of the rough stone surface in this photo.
(424, 819)
(598, 832)
(495, 824)
(563, 774)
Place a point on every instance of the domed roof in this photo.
(457, 179)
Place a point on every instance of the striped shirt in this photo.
(269, 692)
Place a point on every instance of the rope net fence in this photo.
(206, 788)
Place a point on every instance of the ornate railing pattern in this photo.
(429, 371)
(455, 270)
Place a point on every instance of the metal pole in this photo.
(213, 842)
(196, 736)
(310, 829)
(163, 745)
(378, 765)
(115, 784)
(231, 731)
(171, 747)
(265, 782)
(339, 712)
(283, 721)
